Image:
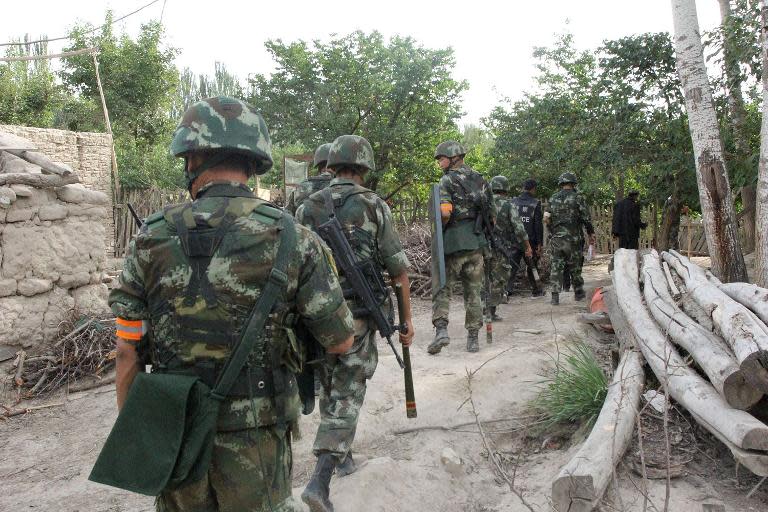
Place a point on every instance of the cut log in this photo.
(750, 295)
(11, 141)
(38, 180)
(708, 350)
(671, 282)
(47, 165)
(745, 334)
(755, 461)
(582, 481)
(624, 334)
(600, 318)
(683, 383)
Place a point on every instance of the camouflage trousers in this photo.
(565, 255)
(467, 268)
(343, 383)
(500, 271)
(250, 471)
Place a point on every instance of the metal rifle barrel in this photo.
(410, 396)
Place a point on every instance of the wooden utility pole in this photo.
(115, 178)
(761, 205)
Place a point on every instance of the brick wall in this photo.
(89, 154)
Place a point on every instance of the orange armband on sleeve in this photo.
(131, 330)
(446, 209)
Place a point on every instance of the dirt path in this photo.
(45, 457)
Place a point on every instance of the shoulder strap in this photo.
(277, 281)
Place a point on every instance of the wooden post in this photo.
(689, 235)
(108, 124)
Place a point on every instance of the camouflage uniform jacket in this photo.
(305, 189)
(367, 222)
(465, 189)
(156, 279)
(569, 214)
(508, 229)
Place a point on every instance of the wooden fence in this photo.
(144, 202)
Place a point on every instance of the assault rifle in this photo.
(135, 216)
(358, 275)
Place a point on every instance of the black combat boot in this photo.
(317, 493)
(555, 299)
(579, 294)
(441, 337)
(472, 344)
(537, 292)
(494, 316)
(347, 466)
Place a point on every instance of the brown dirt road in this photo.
(45, 456)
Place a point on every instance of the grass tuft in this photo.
(573, 388)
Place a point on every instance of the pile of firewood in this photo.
(707, 345)
(417, 244)
(84, 350)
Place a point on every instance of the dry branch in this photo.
(683, 383)
(746, 335)
(709, 351)
(582, 482)
(750, 295)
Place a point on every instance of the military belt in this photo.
(258, 380)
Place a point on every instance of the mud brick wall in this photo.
(89, 155)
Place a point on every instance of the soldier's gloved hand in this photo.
(407, 338)
(539, 250)
(592, 239)
(529, 252)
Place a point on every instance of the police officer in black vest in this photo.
(529, 209)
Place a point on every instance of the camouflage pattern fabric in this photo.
(569, 215)
(509, 235)
(468, 269)
(224, 123)
(367, 220)
(305, 189)
(157, 275)
(351, 150)
(342, 393)
(449, 149)
(251, 472)
(500, 272)
(465, 190)
(508, 228)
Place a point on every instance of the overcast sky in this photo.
(493, 41)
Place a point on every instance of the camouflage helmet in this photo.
(450, 149)
(226, 124)
(567, 177)
(500, 184)
(351, 150)
(321, 154)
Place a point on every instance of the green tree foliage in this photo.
(140, 81)
(613, 115)
(398, 94)
(29, 94)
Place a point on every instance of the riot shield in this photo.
(438, 253)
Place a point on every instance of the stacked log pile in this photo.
(657, 305)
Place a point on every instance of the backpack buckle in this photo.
(278, 277)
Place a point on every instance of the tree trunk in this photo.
(684, 384)
(711, 175)
(748, 199)
(733, 86)
(761, 206)
(581, 483)
(709, 351)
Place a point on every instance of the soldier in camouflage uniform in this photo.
(314, 183)
(192, 276)
(463, 196)
(508, 233)
(367, 223)
(568, 215)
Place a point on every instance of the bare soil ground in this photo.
(45, 456)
